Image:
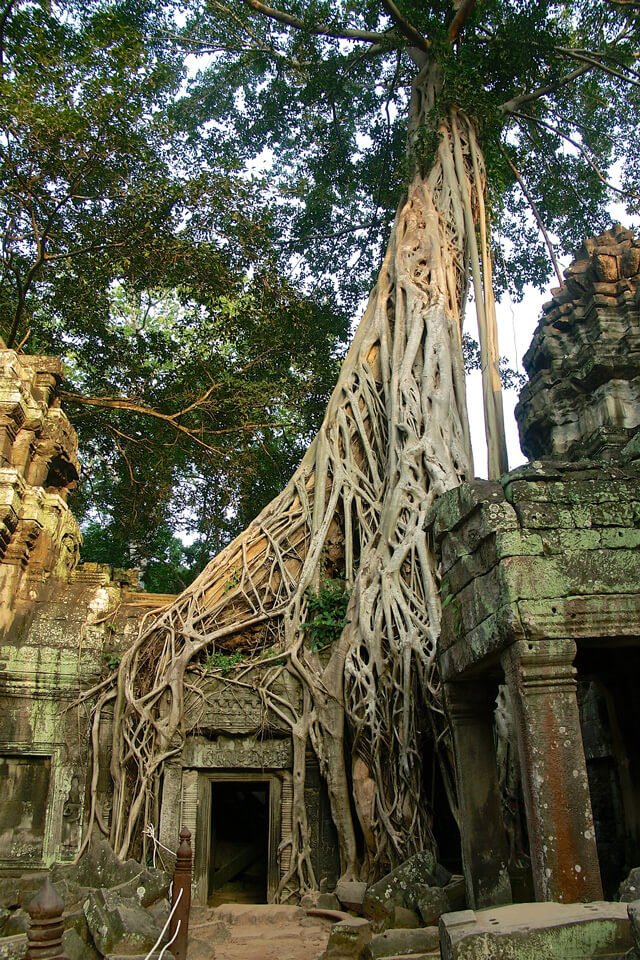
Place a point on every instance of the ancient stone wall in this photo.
(540, 644)
(63, 629)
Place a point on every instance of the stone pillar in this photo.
(485, 856)
(542, 684)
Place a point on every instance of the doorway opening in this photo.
(239, 847)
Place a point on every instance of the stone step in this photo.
(432, 955)
(213, 931)
(251, 913)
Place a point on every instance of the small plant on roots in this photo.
(223, 663)
(327, 613)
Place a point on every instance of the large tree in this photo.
(149, 265)
(469, 114)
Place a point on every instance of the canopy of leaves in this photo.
(321, 89)
(149, 265)
(194, 197)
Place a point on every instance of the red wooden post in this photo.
(44, 936)
(181, 895)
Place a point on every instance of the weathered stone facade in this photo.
(541, 607)
(63, 628)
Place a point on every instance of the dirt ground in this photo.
(239, 931)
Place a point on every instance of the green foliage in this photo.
(327, 611)
(111, 660)
(148, 262)
(196, 242)
(332, 115)
(223, 663)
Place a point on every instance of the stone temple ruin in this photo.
(539, 653)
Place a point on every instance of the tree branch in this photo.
(458, 23)
(171, 419)
(121, 403)
(535, 211)
(586, 153)
(321, 29)
(595, 59)
(551, 87)
(414, 36)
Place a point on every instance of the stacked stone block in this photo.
(583, 397)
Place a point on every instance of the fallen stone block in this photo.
(528, 931)
(351, 894)
(348, 939)
(200, 949)
(76, 948)
(397, 888)
(13, 948)
(633, 911)
(402, 943)
(76, 920)
(456, 893)
(4, 916)
(119, 925)
(327, 901)
(100, 868)
(17, 922)
(406, 919)
(630, 887)
(431, 903)
(18, 891)
(211, 931)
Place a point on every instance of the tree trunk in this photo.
(395, 437)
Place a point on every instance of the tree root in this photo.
(394, 438)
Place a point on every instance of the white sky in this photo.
(516, 323)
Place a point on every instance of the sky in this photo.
(516, 324)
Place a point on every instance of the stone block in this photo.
(17, 922)
(633, 911)
(404, 918)
(76, 920)
(456, 893)
(197, 950)
(402, 943)
(431, 903)
(531, 931)
(101, 868)
(630, 887)
(351, 894)
(18, 891)
(348, 939)
(4, 916)
(326, 901)
(76, 948)
(119, 925)
(397, 887)
(13, 948)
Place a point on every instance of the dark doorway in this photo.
(239, 842)
(610, 719)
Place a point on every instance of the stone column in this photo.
(564, 857)
(485, 856)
